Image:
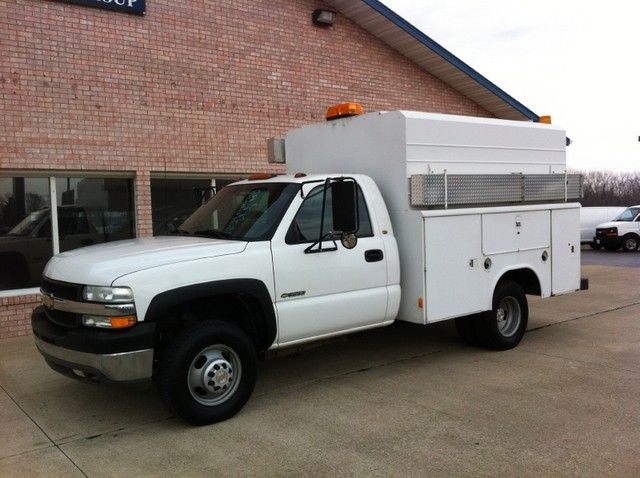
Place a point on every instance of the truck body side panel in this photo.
(515, 231)
(456, 281)
(565, 250)
(464, 145)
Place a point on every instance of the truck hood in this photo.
(103, 263)
(611, 224)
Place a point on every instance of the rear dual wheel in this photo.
(502, 327)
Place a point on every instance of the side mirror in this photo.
(344, 204)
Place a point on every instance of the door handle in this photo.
(373, 255)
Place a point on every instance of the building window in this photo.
(88, 211)
(93, 210)
(25, 231)
(174, 199)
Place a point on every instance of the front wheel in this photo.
(504, 326)
(207, 373)
(630, 243)
(594, 246)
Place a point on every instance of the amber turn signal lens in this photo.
(260, 176)
(545, 119)
(123, 322)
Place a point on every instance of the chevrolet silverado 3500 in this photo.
(391, 216)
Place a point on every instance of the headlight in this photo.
(93, 293)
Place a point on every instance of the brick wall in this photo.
(192, 86)
(15, 315)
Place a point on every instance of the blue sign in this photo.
(137, 7)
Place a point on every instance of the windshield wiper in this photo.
(213, 233)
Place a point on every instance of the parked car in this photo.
(623, 231)
(590, 217)
(26, 248)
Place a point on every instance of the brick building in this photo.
(118, 118)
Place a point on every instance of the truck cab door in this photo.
(326, 293)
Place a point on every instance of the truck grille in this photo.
(62, 290)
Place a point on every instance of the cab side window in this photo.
(305, 227)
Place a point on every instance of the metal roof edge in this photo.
(445, 54)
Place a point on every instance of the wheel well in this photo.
(238, 309)
(527, 279)
(245, 303)
(631, 234)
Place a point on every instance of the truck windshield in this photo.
(29, 223)
(245, 212)
(628, 215)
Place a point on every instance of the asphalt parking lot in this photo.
(607, 258)
(405, 400)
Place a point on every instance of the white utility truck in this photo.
(388, 216)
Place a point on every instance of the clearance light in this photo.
(103, 322)
(545, 119)
(420, 303)
(344, 110)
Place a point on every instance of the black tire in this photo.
(200, 344)
(465, 326)
(630, 243)
(611, 247)
(510, 303)
(594, 246)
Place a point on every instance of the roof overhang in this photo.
(399, 34)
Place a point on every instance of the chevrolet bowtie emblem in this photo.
(48, 301)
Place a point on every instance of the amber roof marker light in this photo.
(344, 110)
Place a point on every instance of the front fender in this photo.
(266, 325)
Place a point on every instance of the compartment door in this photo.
(565, 250)
(455, 277)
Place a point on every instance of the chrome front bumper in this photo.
(134, 366)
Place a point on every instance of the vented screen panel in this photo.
(438, 190)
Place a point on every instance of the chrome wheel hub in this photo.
(218, 375)
(508, 316)
(214, 375)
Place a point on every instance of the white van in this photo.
(590, 217)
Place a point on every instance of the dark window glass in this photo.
(25, 231)
(628, 215)
(94, 210)
(306, 225)
(174, 200)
